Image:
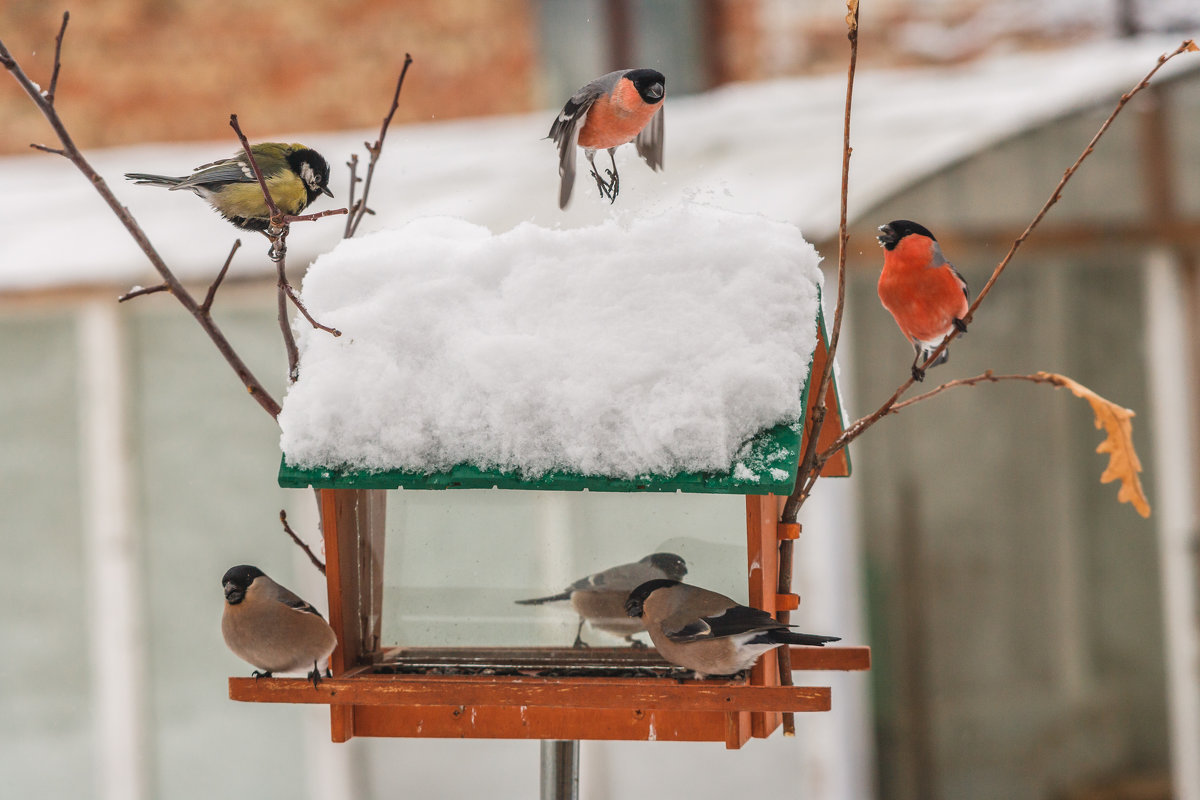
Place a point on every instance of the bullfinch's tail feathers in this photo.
(537, 601)
(810, 639)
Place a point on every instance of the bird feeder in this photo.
(467, 664)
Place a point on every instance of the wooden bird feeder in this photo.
(421, 660)
(398, 692)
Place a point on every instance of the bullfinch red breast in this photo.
(272, 628)
(599, 599)
(614, 109)
(924, 292)
(707, 632)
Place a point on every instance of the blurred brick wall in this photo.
(163, 70)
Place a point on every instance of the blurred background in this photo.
(1032, 638)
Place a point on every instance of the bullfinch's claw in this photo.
(257, 674)
(918, 374)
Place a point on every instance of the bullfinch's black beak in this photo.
(655, 91)
(233, 595)
(886, 236)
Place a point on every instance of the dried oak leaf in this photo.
(1123, 463)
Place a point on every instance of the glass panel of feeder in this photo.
(457, 561)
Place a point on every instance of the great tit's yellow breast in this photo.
(246, 199)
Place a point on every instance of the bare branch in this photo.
(143, 290)
(285, 325)
(354, 181)
(315, 215)
(58, 42)
(56, 151)
(295, 298)
(211, 295)
(358, 211)
(860, 425)
(320, 565)
(808, 467)
(72, 152)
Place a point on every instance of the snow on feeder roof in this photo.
(666, 351)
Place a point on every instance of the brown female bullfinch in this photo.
(599, 599)
(707, 632)
(273, 629)
(614, 109)
(923, 291)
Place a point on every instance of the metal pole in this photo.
(560, 769)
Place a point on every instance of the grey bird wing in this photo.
(227, 170)
(565, 130)
(293, 601)
(625, 577)
(649, 142)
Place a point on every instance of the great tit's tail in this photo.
(537, 601)
(143, 178)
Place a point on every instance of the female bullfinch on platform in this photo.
(924, 292)
(273, 629)
(295, 176)
(707, 632)
(615, 109)
(599, 599)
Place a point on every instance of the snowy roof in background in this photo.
(772, 148)
(650, 344)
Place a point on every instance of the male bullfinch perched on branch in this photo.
(924, 292)
(614, 109)
(273, 629)
(707, 632)
(599, 599)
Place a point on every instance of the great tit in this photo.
(295, 176)
(599, 599)
(272, 628)
(707, 632)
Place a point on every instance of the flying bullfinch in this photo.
(707, 632)
(614, 109)
(923, 291)
(273, 629)
(599, 599)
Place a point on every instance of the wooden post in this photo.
(353, 524)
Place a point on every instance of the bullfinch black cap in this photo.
(241, 576)
(650, 83)
(633, 605)
(672, 565)
(891, 234)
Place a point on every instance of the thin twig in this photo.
(58, 42)
(333, 212)
(143, 290)
(791, 508)
(295, 298)
(72, 153)
(986, 377)
(354, 181)
(320, 565)
(211, 295)
(285, 323)
(862, 424)
(357, 212)
(54, 150)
